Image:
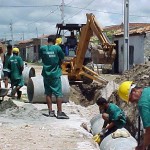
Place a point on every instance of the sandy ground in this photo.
(23, 127)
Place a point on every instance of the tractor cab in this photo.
(69, 33)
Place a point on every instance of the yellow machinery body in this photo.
(74, 68)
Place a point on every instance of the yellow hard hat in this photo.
(97, 138)
(58, 41)
(125, 89)
(15, 50)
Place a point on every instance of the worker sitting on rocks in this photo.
(114, 117)
(129, 92)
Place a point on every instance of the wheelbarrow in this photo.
(3, 93)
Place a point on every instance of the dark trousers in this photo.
(113, 129)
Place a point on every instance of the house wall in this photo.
(29, 51)
(138, 43)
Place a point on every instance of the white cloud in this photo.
(27, 19)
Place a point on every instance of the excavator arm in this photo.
(74, 68)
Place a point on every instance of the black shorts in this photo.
(6, 74)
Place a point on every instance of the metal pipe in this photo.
(35, 89)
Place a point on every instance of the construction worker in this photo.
(6, 71)
(129, 92)
(114, 117)
(15, 65)
(58, 41)
(72, 41)
(52, 57)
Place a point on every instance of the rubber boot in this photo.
(19, 93)
(13, 92)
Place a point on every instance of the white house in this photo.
(139, 45)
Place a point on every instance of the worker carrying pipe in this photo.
(114, 117)
(129, 92)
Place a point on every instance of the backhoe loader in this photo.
(74, 68)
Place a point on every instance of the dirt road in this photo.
(23, 127)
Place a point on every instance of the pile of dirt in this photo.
(85, 94)
(139, 74)
(8, 109)
(4, 105)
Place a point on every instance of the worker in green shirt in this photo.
(129, 92)
(52, 57)
(6, 71)
(114, 117)
(15, 65)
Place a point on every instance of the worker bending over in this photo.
(114, 117)
(129, 92)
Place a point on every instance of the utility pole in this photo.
(37, 32)
(11, 30)
(62, 11)
(23, 36)
(126, 35)
(5, 37)
(62, 14)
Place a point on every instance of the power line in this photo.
(27, 6)
(105, 11)
(81, 9)
(53, 11)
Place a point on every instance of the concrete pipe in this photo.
(119, 143)
(96, 124)
(27, 73)
(35, 89)
(109, 143)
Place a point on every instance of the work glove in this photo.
(103, 131)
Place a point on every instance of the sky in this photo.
(26, 19)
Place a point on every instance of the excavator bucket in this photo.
(99, 56)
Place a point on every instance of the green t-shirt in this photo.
(15, 63)
(52, 56)
(144, 107)
(116, 115)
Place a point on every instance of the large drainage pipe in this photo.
(108, 142)
(27, 73)
(35, 89)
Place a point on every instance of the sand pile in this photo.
(9, 109)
